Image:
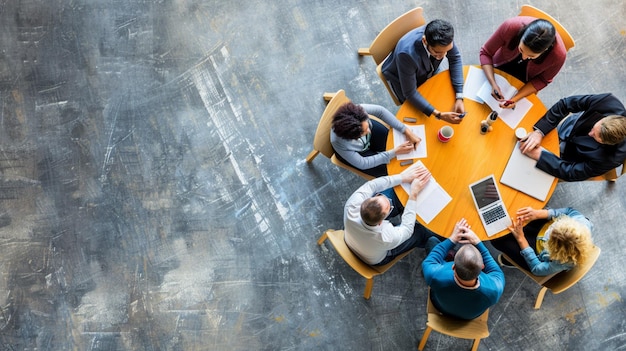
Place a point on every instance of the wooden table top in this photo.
(469, 155)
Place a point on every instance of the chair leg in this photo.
(542, 293)
(475, 344)
(312, 155)
(322, 238)
(364, 51)
(424, 338)
(368, 288)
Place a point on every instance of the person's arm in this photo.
(550, 67)
(407, 74)
(385, 115)
(539, 267)
(565, 106)
(367, 190)
(497, 41)
(492, 269)
(571, 171)
(405, 229)
(388, 117)
(456, 69)
(362, 162)
(435, 260)
(524, 91)
(572, 213)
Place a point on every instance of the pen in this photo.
(509, 102)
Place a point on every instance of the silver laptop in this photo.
(521, 174)
(491, 209)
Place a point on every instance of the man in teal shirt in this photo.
(468, 286)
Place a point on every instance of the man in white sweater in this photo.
(368, 234)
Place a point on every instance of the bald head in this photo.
(468, 262)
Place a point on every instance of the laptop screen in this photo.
(485, 192)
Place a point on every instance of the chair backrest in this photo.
(321, 142)
(532, 11)
(386, 40)
(476, 328)
(336, 238)
(564, 280)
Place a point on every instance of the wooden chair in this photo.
(561, 281)
(532, 11)
(336, 238)
(475, 329)
(613, 174)
(321, 141)
(386, 40)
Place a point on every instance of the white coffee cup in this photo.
(520, 133)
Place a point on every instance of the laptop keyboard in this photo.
(494, 214)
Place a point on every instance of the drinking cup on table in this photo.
(445, 134)
(520, 133)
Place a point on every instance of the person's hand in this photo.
(451, 117)
(517, 228)
(459, 228)
(469, 237)
(496, 92)
(418, 184)
(404, 148)
(412, 137)
(459, 106)
(412, 173)
(507, 104)
(528, 214)
(531, 141)
(533, 153)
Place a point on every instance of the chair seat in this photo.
(560, 281)
(336, 238)
(475, 329)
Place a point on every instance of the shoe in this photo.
(504, 262)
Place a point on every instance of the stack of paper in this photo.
(431, 199)
(477, 88)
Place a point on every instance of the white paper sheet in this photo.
(511, 117)
(473, 82)
(420, 151)
(431, 199)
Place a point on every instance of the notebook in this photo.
(521, 174)
(491, 209)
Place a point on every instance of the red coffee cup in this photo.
(445, 133)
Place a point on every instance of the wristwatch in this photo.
(459, 96)
(438, 115)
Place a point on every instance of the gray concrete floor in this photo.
(154, 194)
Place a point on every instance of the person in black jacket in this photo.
(592, 139)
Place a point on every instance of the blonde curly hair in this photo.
(570, 241)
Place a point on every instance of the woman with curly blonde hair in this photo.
(553, 240)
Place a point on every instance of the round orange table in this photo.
(469, 155)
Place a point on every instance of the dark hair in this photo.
(468, 262)
(347, 121)
(539, 36)
(372, 211)
(439, 33)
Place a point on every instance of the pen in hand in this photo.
(509, 102)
